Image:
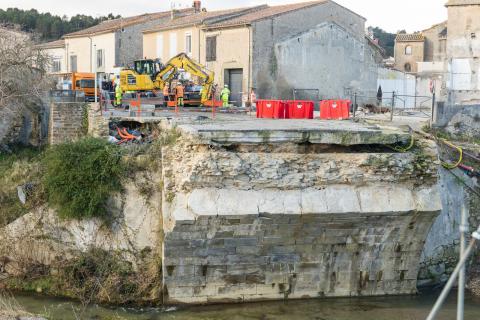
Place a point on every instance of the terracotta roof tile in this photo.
(51, 45)
(112, 25)
(203, 17)
(266, 13)
(408, 37)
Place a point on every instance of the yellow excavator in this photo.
(149, 75)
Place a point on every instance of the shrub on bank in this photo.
(81, 176)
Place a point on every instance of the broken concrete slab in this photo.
(345, 133)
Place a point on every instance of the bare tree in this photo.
(23, 77)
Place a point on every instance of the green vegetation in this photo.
(78, 178)
(95, 275)
(48, 26)
(81, 176)
(18, 168)
(386, 40)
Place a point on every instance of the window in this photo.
(85, 83)
(173, 45)
(211, 48)
(73, 63)
(100, 58)
(408, 50)
(160, 46)
(188, 43)
(408, 67)
(56, 65)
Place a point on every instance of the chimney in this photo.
(197, 5)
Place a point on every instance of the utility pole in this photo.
(95, 71)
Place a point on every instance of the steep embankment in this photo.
(104, 249)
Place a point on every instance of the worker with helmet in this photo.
(118, 95)
(166, 94)
(180, 91)
(225, 95)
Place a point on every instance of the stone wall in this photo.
(260, 221)
(23, 125)
(441, 251)
(402, 59)
(272, 81)
(97, 123)
(351, 63)
(458, 120)
(66, 121)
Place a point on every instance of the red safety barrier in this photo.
(335, 109)
(299, 109)
(271, 109)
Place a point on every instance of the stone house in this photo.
(56, 51)
(276, 49)
(463, 52)
(112, 43)
(409, 50)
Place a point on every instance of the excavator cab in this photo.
(147, 67)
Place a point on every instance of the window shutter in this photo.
(211, 48)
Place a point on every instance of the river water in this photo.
(390, 308)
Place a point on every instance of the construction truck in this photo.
(79, 81)
(151, 75)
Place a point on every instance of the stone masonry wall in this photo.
(66, 122)
(256, 222)
(270, 81)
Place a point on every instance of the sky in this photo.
(390, 15)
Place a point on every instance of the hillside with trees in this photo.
(386, 40)
(47, 26)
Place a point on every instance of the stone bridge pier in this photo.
(265, 210)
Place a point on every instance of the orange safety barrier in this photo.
(271, 109)
(299, 109)
(335, 109)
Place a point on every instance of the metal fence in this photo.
(67, 96)
(390, 105)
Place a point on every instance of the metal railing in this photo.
(67, 96)
(390, 105)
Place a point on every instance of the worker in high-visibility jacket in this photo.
(166, 94)
(225, 95)
(180, 92)
(118, 95)
(203, 94)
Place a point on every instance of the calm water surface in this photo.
(390, 308)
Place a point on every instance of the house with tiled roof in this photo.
(275, 49)
(184, 34)
(58, 58)
(409, 50)
(112, 43)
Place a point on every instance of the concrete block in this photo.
(185, 281)
(342, 199)
(314, 201)
(236, 290)
(203, 202)
(179, 292)
(428, 199)
(248, 250)
(271, 202)
(241, 242)
(209, 290)
(229, 200)
(386, 199)
(292, 202)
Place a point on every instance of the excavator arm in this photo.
(184, 62)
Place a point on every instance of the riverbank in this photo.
(10, 309)
(378, 308)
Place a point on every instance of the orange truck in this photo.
(84, 82)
